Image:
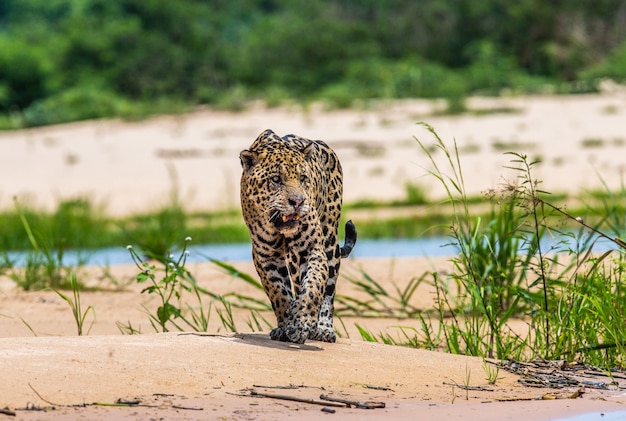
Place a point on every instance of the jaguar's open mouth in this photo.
(288, 221)
(291, 217)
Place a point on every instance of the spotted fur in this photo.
(291, 192)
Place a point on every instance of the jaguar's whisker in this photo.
(274, 215)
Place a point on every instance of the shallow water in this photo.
(389, 248)
(432, 246)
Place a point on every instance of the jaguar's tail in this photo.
(349, 240)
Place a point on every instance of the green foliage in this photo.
(407, 78)
(613, 66)
(64, 60)
(169, 288)
(75, 224)
(492, 70)
(571, 298)
(504, 271)
(280, 48)
(23, 72)
(156, 234)
(74, 104)
(44, 266)
(173, 284)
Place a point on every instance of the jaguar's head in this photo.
(275, 183)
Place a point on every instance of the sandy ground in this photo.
(44, 364)
(129, 167)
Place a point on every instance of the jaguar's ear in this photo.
(266, 134)
(307, 151)
(265, 137)
(248, 159)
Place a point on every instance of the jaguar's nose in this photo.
(296, 201)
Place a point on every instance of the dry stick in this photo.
(291, 386)
(44, 399)
(357, 404)
(468, 387)
(297, 399)
(385, 388)
(188, 408)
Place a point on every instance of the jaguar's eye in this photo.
(275, 179)
(302, 178)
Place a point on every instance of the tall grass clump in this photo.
(75, 303)
(44, 265)
(570, 298)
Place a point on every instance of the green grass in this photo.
(75, 305)
(183, 304)
(572, 300)
(77, 224)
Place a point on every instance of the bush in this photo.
(407, 78)
(22, 74)
(613, 67)
(298, 50)
(79, 103)
(491, 71)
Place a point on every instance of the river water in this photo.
(389, 248)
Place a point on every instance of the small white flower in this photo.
(579, 219)
(187, 239)
(186, 252)
(171, 256)
(129, 247)
(171, 264)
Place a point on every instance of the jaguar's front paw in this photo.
(297, 333)
(323, 334)
(279, 334)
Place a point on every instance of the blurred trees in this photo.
(64, 60)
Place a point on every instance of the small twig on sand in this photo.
(44, 399)
(297, 399)
(356, 404)
(385, 388)
(373, 387)
(188, 408)
(467, 387)
(290, 386)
